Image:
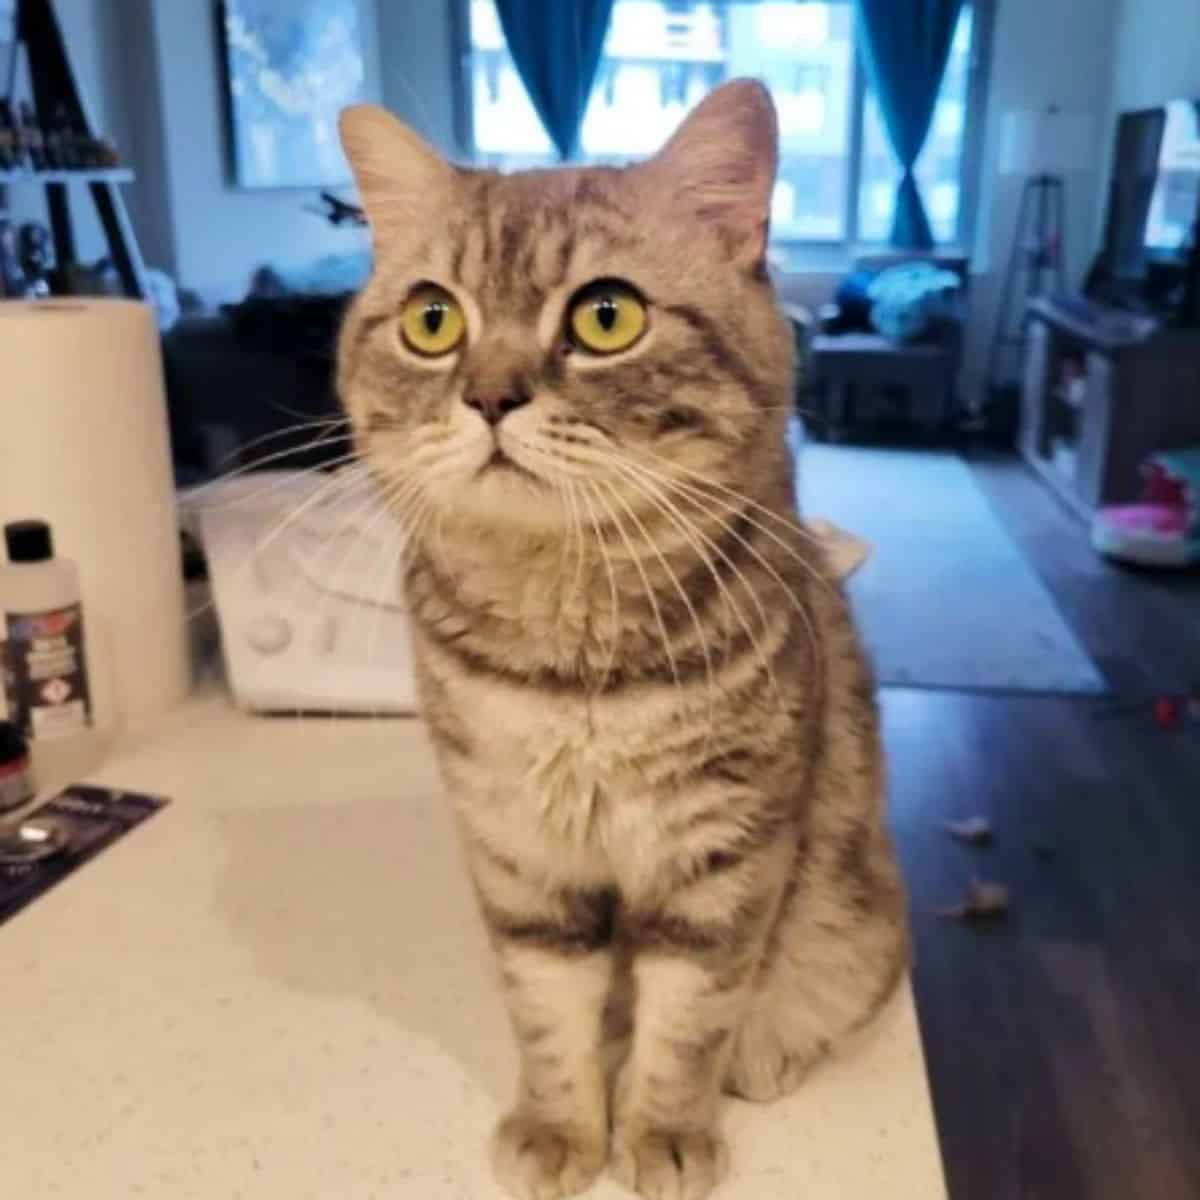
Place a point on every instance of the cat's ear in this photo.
(400, 177)
(720, 165)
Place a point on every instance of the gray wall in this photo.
(1043, 52)
(418, 68)
(221, 233)
(1157, 54)
(1156, 58)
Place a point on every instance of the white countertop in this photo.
(278, 987)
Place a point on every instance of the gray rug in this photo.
(946, 599)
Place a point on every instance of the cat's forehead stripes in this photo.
(519, 238)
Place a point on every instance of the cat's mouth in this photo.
(500, 462)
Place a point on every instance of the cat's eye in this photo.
(432, 321)
(607, 316)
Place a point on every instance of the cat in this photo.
(649, 704)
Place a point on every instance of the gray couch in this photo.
(859, 376)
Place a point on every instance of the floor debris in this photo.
(984, 901)
(976, 831)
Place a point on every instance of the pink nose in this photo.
(494, 407)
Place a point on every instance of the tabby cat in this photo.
(648, 701)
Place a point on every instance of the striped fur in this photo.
(650, 706)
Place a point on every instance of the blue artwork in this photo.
(292, 66)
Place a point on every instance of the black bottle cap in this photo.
(28, 541)
(12, 744)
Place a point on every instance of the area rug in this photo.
(946, 599)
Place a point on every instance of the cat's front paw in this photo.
(535, 1159)
(670, 1164)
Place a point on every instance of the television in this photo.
(1150, 259)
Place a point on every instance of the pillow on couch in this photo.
(907, 300)
(332, 275)
(853, 300)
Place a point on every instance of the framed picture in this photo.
(290, 67)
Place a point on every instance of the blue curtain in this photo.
(556, 47)
(906, 44)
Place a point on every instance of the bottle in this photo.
(16, 782)
(46, 674)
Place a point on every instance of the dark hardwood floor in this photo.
(1064, 1043)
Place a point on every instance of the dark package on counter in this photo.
(47, 844)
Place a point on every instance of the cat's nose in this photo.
(495, 406)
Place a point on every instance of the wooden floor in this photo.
(1063, 1045)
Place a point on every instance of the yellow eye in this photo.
(432, 321)
(607, 317)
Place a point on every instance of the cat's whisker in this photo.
(573, 542)
(792, 523)
(651, 597)
(577, 583)
(277, 483)
(258, 464)
(337, 482)
(801, 609)
(687, 601)
(405, 503)
(326, 423)
(363, 522)
(687, 488)
(674, 514)
(313, 574)
(614, 597)
(348, 480)
(389, 577)
(613, 460)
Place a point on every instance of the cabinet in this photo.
(1101, 389)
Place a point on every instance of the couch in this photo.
(859, 376)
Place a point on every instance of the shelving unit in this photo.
(54, 91)
(1137, 389)
(38, 178)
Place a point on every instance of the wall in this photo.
(1157, 53)
(418, 68)
(1156, 58)
(220, 233)
(132, 72)
(1043, 52)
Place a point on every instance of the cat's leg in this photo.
(554, 949)
(835, 955)
(695, 957)
(841, 941)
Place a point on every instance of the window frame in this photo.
(824, 250)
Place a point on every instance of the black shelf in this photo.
(90, 175)
(55, 92)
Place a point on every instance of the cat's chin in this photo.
(503, 496)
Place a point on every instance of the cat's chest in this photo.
(564, 764)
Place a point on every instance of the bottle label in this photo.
(46, 674)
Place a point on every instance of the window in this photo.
(837, 174)
(939, 168)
